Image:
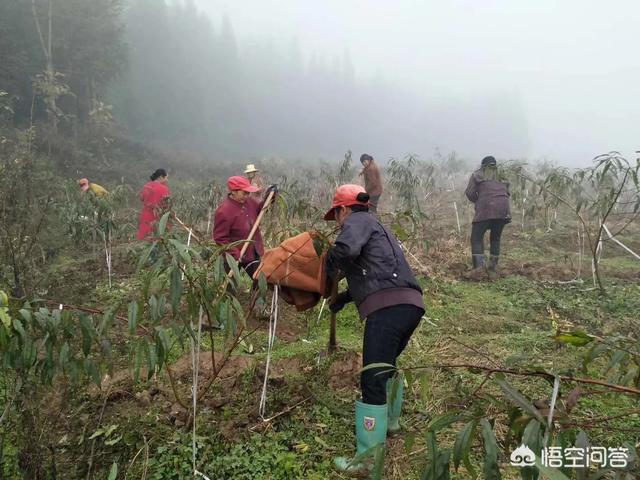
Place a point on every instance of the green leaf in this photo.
(4, 317)
(437, 460)
(144, 258)
(152, 361)
(371, 366)
(87, 334)
(262, 284)
(176, 289)
(550, 473)
(97, 433)
(133, 317)
(490, 468)
(442, 421)
(113, 441)
(106, 347)
(113, 473)
(139, 353)
(462, 447)
(233, 265)
(532, 436)
(594, 352)
(162, 224)
(378, 462)
(520, 400)
(26, 315)
(409, 441)
(577, 338)
(616, 358)
(218, 270)
(64, 354)
(17, 326)
(92, 371)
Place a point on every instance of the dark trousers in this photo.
(478, 229)
(373, 203)
(251, 267)
(386, 334)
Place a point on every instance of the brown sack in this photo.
(297, 268)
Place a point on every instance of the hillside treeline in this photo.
(168, 75)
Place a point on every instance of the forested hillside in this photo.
(155, 356)
(167, 75)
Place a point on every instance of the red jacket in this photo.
(233, 221)
(154, 197)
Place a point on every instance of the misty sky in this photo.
(573, 64)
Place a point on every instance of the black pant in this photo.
(373, 203)
(386, 334)
(478, 229)
(251, 267)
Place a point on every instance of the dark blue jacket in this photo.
(370, 257)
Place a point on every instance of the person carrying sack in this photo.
(388, 299)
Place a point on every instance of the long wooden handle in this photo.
(266, 204)
(333, 343)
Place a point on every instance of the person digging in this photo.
(490, 197)
(237, 220)
(87, 186)
(388, 299)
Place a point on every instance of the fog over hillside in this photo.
(520, 79)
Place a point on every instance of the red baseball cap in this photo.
(345, 196)
(84, 184)
(241, 183)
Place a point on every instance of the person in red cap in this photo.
(87, 186)
(234, 219)
(155, 198)
(388, 298)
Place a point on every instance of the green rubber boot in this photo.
(371, 430)
(395, 396)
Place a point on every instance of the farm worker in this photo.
(372, 180)
(234, 219)
(97, 190)
(155, 198)
(388, 298)
(492, 211)
(251, 173)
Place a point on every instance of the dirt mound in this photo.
(291, 325)
(539, 271)
(345, 371)
(233, 367)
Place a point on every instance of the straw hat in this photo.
(251, 168)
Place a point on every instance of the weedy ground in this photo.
(507, 322)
